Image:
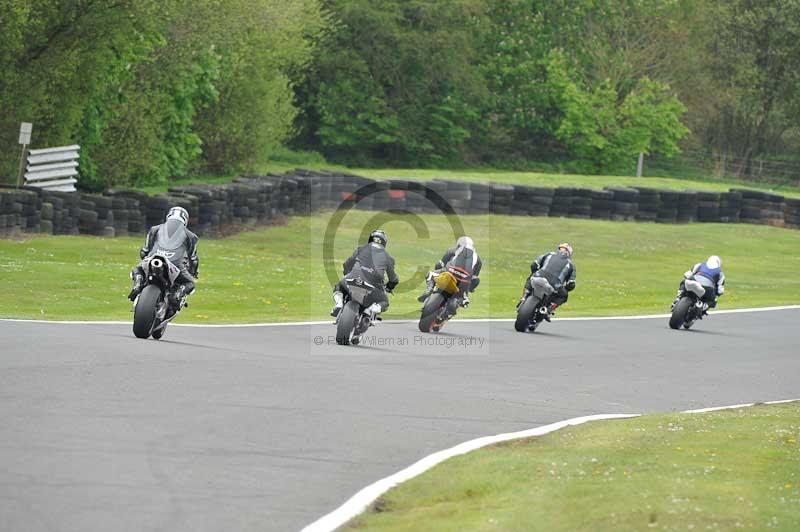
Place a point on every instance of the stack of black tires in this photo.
(502, 198)
(480, 200)
(687, 207)
(761, 207)
(791, 213)
(649, 204)
(532, 201)
(626, 203)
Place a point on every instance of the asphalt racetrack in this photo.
(268, 428)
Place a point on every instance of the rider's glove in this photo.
(688, 274)
(570, 285)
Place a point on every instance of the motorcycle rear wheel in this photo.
(347, 323)
(679, 312)
(145, 313)
(429, 312)
(525, 313)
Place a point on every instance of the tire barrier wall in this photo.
(252, 200)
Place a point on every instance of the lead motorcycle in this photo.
(356, 317)
(443, 302)
(689, 306)
(535, 307)
(151, 309)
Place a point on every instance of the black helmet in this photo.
(378, 237)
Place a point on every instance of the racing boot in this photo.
(138, 282)
(525, 294)
(338, 303)
(677, 298)
(374, 313)
(551, 311)
(178, 298)
(427, 291)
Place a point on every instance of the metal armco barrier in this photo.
(53, 168)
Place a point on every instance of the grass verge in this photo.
(277, 274)
(503, 176)
(573, 180)
(725, 470)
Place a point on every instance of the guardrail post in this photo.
(21, 170)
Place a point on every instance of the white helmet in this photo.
(180, 214)
(714, 262)
(466, 242)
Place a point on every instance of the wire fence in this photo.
(724, 166)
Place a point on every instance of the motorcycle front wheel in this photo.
(145, 313)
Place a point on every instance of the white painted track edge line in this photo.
(731, 407)
(359, 502)
(388, 321)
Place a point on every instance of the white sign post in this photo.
(25, 130)
(640, 165)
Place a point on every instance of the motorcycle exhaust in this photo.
(156, 263)
(164, 322)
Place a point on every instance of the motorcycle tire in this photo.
(679, 312)
(347, 323)
(145, 313)
(525, 313)
(429, 312)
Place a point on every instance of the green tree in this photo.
(605, 133)
(753, 55)
(58, 55)
(395, 81)
(606, 50)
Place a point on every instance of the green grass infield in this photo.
(279, 273)
(725, 470)
(515, 178)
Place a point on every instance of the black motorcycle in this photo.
(151, 308)
(443, 302)
(535, 307)
(689, 306)
(356, 316)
